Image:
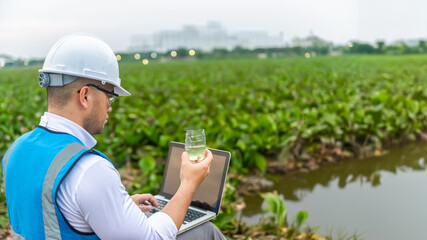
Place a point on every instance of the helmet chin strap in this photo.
(55, 80)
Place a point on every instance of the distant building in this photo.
(310, 41)
(5, 59)
(206, 38)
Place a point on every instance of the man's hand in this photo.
(193, 173)
(145, 201)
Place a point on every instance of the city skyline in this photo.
(203, 37)
(29, 29)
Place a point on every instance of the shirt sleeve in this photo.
(111, 213)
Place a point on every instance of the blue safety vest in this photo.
(33, 169)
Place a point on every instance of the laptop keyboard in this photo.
(190, 216)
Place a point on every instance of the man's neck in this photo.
(69, 114)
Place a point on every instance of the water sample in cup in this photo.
(195, 144)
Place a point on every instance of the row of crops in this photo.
(256, 109)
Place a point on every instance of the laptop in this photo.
(206, 200)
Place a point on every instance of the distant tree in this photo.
(219, 52)
(392, 49)
(262, 50)
(380, 46)
(362, 48)
(200, 53)
(405, 49)
(422, 46)
(321, 50)
(240, 50)
(298, 50)
(182, 52)
(366, 48)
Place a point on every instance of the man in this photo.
(58, 188)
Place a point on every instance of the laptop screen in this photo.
(208, 195)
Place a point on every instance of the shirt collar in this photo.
(57, 123)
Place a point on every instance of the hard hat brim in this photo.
(117, 89)
(121, 91)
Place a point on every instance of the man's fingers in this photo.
(145, 199)
(209, 157)
(145, 208)
(153, 200)
(149, 199)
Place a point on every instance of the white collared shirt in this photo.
(92, 197)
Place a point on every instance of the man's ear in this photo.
(83, 97)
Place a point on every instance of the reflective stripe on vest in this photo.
(51, 226)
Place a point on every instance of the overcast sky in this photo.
(29, 28)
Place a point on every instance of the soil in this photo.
(253, 184)
(303, 162)
(6, 233)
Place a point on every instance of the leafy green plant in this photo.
(276, 206)
(300, 219)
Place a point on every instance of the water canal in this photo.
(379, 198)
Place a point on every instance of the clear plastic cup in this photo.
(195, 144)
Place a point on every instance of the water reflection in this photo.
(364, 172)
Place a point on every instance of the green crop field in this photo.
(260, 110)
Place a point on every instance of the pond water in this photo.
(379, 198)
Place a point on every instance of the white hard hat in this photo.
(81, 55)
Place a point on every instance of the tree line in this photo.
(380, 47)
